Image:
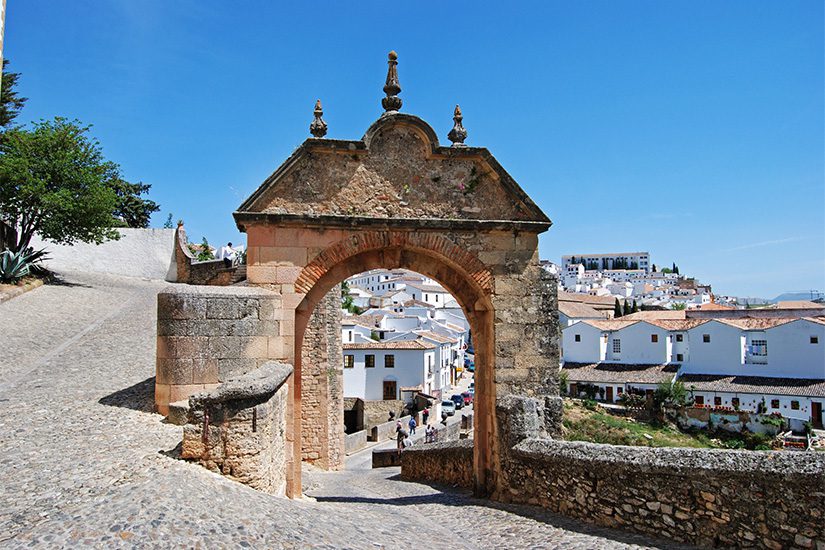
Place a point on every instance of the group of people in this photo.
(403, 436)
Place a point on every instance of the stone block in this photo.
(280, 347)
(174, 371)
(253, 347)
(181, 306)
(180, 392)
(260, 274)
(283, 256)
(232, 308)
(224, 347)
(205, 371)
(162, 398)
(171, 327)
(228, 368)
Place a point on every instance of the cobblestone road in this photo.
(85, 463)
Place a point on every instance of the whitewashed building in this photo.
(725, 362)
(380, 370)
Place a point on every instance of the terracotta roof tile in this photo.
(651, 315)
(399, 344)
(805, 387)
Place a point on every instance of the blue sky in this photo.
(693, 130)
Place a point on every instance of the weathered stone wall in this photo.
(448, 462)
(208, 334)
(322, 386)
(239, 429)
(190, 271)
(705, 497)
(377, 412)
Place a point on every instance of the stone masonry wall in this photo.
(448, 462)
(322, 386)
(239, 429)
(704, 497)
(759, 499)
(208, 334)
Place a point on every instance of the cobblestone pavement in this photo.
(85, 463)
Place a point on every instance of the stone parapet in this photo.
(207, 335)
(704, 497)
(239, 428)
(447, 462)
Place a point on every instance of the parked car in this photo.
(472, 386)
(471, 367)
(472, 392)
(468, 398)
(448, 407)
(458, 400)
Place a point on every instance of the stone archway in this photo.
(395, 198)
(431, 255)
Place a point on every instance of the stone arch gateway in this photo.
(398, 199)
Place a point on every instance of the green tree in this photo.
(205, 252)
(678, 306)
(675, 268)
(10, 102)
(168, 223)
(346, 300)
(627, 309)
(635, 307)
(617, 309)
(130, 209)
(55, 181)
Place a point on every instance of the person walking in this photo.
(425, 414)
(400, 436)
(413, 424)
(227, 254)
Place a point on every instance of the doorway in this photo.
(816, 414)
(390, 390)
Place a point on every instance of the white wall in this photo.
(145, 253)
(368, 384)
(722, 355)
(791, 353)
(637, 347)
(588, 350)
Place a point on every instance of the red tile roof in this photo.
(619, 373)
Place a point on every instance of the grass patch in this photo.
(596, 426)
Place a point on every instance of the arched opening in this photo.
(475, 301)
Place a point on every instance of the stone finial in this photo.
(318, 127)
(392, 88)
(458, 134)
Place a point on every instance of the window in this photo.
(699, 399)
(795, 405)
(706, 338)
(389, 361)
(680, 357)
(717, 401)
(349, 334)
(619, 390)
(759, 348)
(617, 345)
(349, 361)
(734, 402)
(654, 338)
(679, 337)
(814, 339)
(369, 361)
(578, 338)
(436, 297)
(774, 403)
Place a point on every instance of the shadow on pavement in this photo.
(139, 397)
(458, 497)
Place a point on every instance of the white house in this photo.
(726, 362)
(379, 370)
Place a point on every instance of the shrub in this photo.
(16, 265)
(590, 404)
(563, 380)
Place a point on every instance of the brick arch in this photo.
(436, 257)
(431, 244)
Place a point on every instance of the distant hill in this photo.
(801, 295)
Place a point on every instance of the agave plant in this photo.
(16, 265)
